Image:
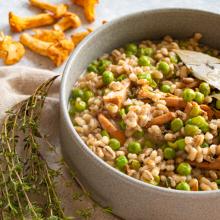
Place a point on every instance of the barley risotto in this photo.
(142, 111)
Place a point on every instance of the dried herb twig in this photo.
(24, 179)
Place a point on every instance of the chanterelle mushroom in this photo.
(58, 10)
(56, 51)
(48, 35)
(19, 24)
(78, 37)
(89, 8)
(70, 20)
(10, 51)
(118, 97)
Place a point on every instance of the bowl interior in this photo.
(179, 23)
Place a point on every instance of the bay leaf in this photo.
(203, 66)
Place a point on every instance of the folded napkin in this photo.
(17, 84)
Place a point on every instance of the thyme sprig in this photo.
(26, 177)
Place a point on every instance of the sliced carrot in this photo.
(111, 128)
(188, 108)
(208, 110)
(175, 101)
(215, 165)
(162, 119)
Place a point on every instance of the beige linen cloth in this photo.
(16, 84)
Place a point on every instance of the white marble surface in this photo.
(106, 10)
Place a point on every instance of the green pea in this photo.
(122, 125)
(135, 164)
(181, 144)
(114, 144)
(103, 64)
(121, 162)
(183, 186)
(72, 110)
(149, 144)
(145, 51)
(217, 181)
(134, 147)
(217, 104)
(188, 95)
(205, 145)
(155, 181)
(80, 105)
(87, 95)
(184, 169)
(77, 92)
(165, 88)
(199, 97)
(153, 84)
(174, 59)
(107, 77)
(121, 77)
(191, 130)
(163, 67)
(122, 112)
(148, 51)
(169, 153)
(163, 146)
(129, 53)
(146, 76)
(204, 88)
(172, 144)
(183, 43)
(92, 68)
(196, 110)
(138, 134)
(144, 61)
(104, 133)
(176, 124)
(131, 49)
(200, 122)
(127, 108)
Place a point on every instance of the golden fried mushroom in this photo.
(56, 51)
(10, 51)
(78, 37)
(58, 10)
(89, 8)
(19, 24)
(69, 20)
(48, 35)
(60, 51)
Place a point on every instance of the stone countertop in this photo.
(106, 10)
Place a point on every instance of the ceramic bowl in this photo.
(129, 198)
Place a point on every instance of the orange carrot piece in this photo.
(111, 128)
(215, 165)
(188, 108)
(208, 110)
(162, 119)
(174, 101)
